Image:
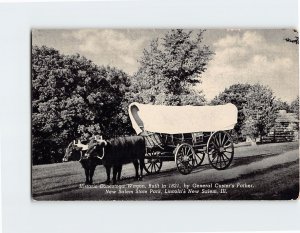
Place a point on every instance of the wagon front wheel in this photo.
(152, 162)
(220, 150)
(184, 158)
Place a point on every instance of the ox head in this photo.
(96, 147)
(72, 152)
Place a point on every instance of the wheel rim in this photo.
(220, 150)
(153, 162)
(185, 159)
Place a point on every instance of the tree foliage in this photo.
(282, 105)
(260, 111)
(256, 108)
(237, 95)
(72, 98)
(170, 67)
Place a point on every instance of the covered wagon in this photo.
(185, 134)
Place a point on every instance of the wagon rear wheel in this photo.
(184, 158)
(220, 150)
(153, 162)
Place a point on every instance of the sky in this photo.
(241, 56)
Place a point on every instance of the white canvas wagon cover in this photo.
(182, 119)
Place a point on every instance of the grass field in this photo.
(64, 177)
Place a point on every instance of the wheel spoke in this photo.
(226, 156)
(154, 167)
(216, 143)
(214, 157)
(227, 159)
(223, 139)
(180, 165)
(212, 151)
(229, 149)
(223, 160)
(188, 150)
(220, 140)
(225, 147)
(228, 152)
(229, 143)
(179, 159)
(151, 167)
(218, 160)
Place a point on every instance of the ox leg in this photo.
(141, 168)
(119, 172)
(92, 170)
(86, 170)
(136, 166)
(115, 171)
(107, 174)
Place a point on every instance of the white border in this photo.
(20, 214)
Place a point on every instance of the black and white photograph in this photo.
(164, 114)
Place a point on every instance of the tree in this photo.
(170, 67)
(282, 105)
(256, 108)
(237, 95)
(260, 111)
(73, 98)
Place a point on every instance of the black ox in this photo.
(113, 154)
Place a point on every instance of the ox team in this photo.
(112, 154)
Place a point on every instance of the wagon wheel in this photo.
(198, 158)
(152, 162)
(184, 158)
(220, 150)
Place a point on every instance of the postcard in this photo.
(165, 114)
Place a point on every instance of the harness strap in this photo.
(101, 157)
(88, 156)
